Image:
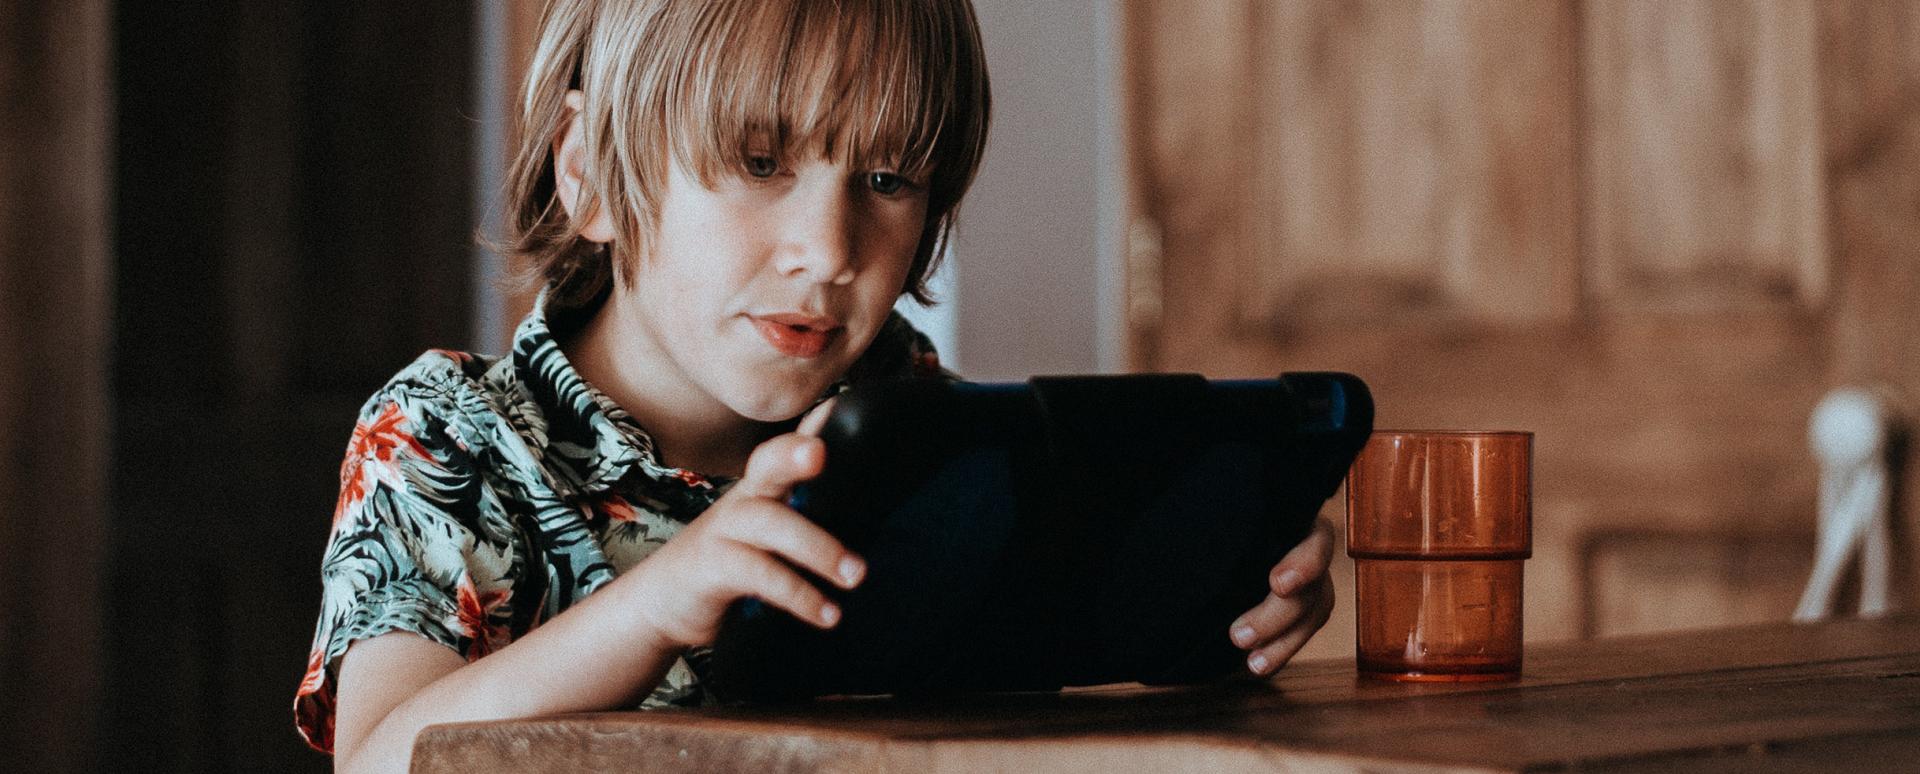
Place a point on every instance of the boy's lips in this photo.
(796, 335)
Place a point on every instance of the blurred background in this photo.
(1654, 233)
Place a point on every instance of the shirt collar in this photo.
(592, 445)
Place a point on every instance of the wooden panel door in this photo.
(1598, 221)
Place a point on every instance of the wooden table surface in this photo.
(1837, 696)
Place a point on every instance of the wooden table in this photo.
(1838, 696)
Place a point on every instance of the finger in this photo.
(1275, 615)
(1306, 563)
(779, 463)
(745, 572)
(817, 418)
(770, 527)
(1270, 657)
(1267, 620)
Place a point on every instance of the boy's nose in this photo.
(818, 240)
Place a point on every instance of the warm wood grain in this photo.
(1671, 701)
(1602, 222)
(1702, 145)
(1730, 575)
(1406, 161)
(1667, 426)
(1870, 97)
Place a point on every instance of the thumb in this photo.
(817, 418)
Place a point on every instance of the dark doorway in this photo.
(293, 225)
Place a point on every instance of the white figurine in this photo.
(1848, 432)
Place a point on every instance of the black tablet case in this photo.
(1066, 531)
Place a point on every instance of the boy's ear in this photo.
(569, 165)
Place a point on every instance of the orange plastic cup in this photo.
(1438, 524)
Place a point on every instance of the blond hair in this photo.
(900, 83)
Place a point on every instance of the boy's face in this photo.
(760, 292)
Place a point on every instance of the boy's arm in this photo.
(394, 685)
(610, 649)
(376, 675)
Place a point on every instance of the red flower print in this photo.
(475, 609)
(316, 673)
(693, 479)
(462, 358)
(617, 508)
(374, 442)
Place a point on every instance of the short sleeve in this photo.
(402, 555)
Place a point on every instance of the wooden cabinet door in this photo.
(1602, 222)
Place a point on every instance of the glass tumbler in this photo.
(1438, 524)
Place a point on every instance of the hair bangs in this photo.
(855, 80)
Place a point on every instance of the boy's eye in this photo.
(885, 183)
(762, 166)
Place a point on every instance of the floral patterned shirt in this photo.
(483, 495)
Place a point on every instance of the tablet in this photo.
(1065, 531)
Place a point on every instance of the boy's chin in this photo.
(776, 405)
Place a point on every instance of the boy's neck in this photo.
(699, 435)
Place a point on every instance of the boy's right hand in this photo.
(749, 543)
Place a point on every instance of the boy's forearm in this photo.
(576, 662)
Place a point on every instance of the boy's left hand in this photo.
(1299, 601)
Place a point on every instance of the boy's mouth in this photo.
(796, 335)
